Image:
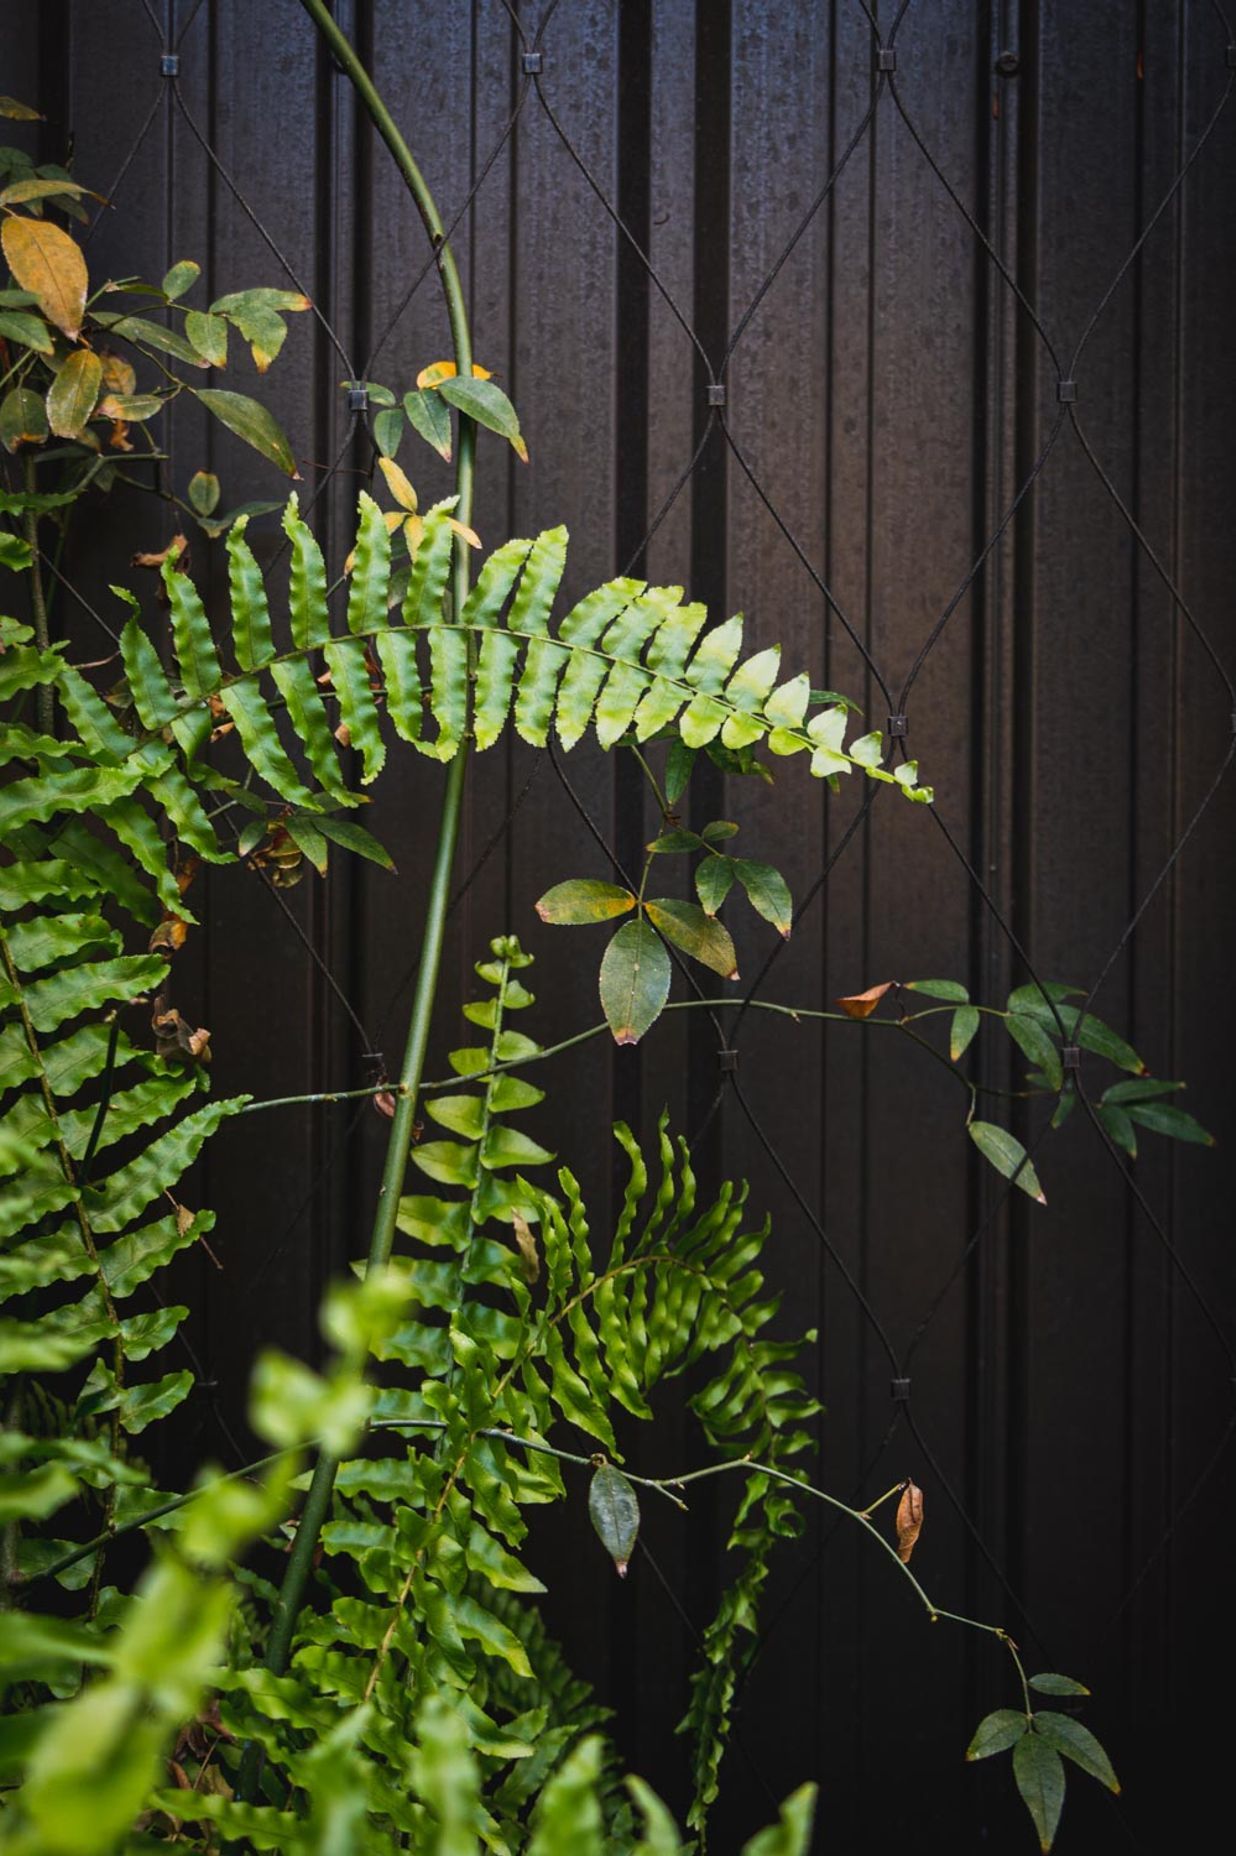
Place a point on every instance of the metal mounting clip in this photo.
(532, 63)
(169, 64)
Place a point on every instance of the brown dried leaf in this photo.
(529, 1255)
(175, 1037)
(184, 1218)
(171, 933)
(863, 1004)
(909, 1521)
(343, 735)
(176, 549)
(384, 1102)
(118, 375)
(119, 439)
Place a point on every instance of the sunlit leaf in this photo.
(767, 892)
(48, 263)
(583, 900)
(438, 371)
(73, 394)
(698, 934)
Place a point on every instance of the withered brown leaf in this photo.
(529, 1255)
(175, 1037)
(175, 550)
(170, 934)
(909, 1521)
(863, 1004)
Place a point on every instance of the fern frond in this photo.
(629, 661)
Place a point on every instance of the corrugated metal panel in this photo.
(886, 402)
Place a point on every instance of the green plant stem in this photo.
(317, 1502)
(44, 696)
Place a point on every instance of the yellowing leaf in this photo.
(48, 263)
(863, 1004)
(398, 485)
(438, 371)
(73, 394)
(469, 534)
(18, 112)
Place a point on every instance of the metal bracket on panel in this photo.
(716, 394)
(886, 58)
(1066, 392)
(899, 1390)
(169, 64)
(898, 725)
(358, 399)
(532, 63)
(1070, 1058)
(727, 1062)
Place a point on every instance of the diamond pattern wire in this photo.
(533, 90)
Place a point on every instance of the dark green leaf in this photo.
(719, 829)
(145, 334)
(1058, 1685)
(671, 842)
(204, 492)
(17, 325)
(354, 838)
(1033, 1038)
(250, 421)
(1039, 1772)
(700, 935)
(488, 405)
(1077, 1743)
(583, 900)
(614, 1511)
(1164, 1118)
(714, 878)
(427, 414)
(767, 892)
(23, 419)
(951, 991)
(962, 1028)
(1142, 1089)
(678, 764)
(388, 430)
(1118, 1128)
(635, 981)
(997, 1732)
(1006, 1153)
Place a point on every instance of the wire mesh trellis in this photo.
(720, 463)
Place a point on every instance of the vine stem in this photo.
(317, 1502)
(44, 695)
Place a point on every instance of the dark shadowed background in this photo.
(886, 406)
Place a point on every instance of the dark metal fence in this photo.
(908, 331)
